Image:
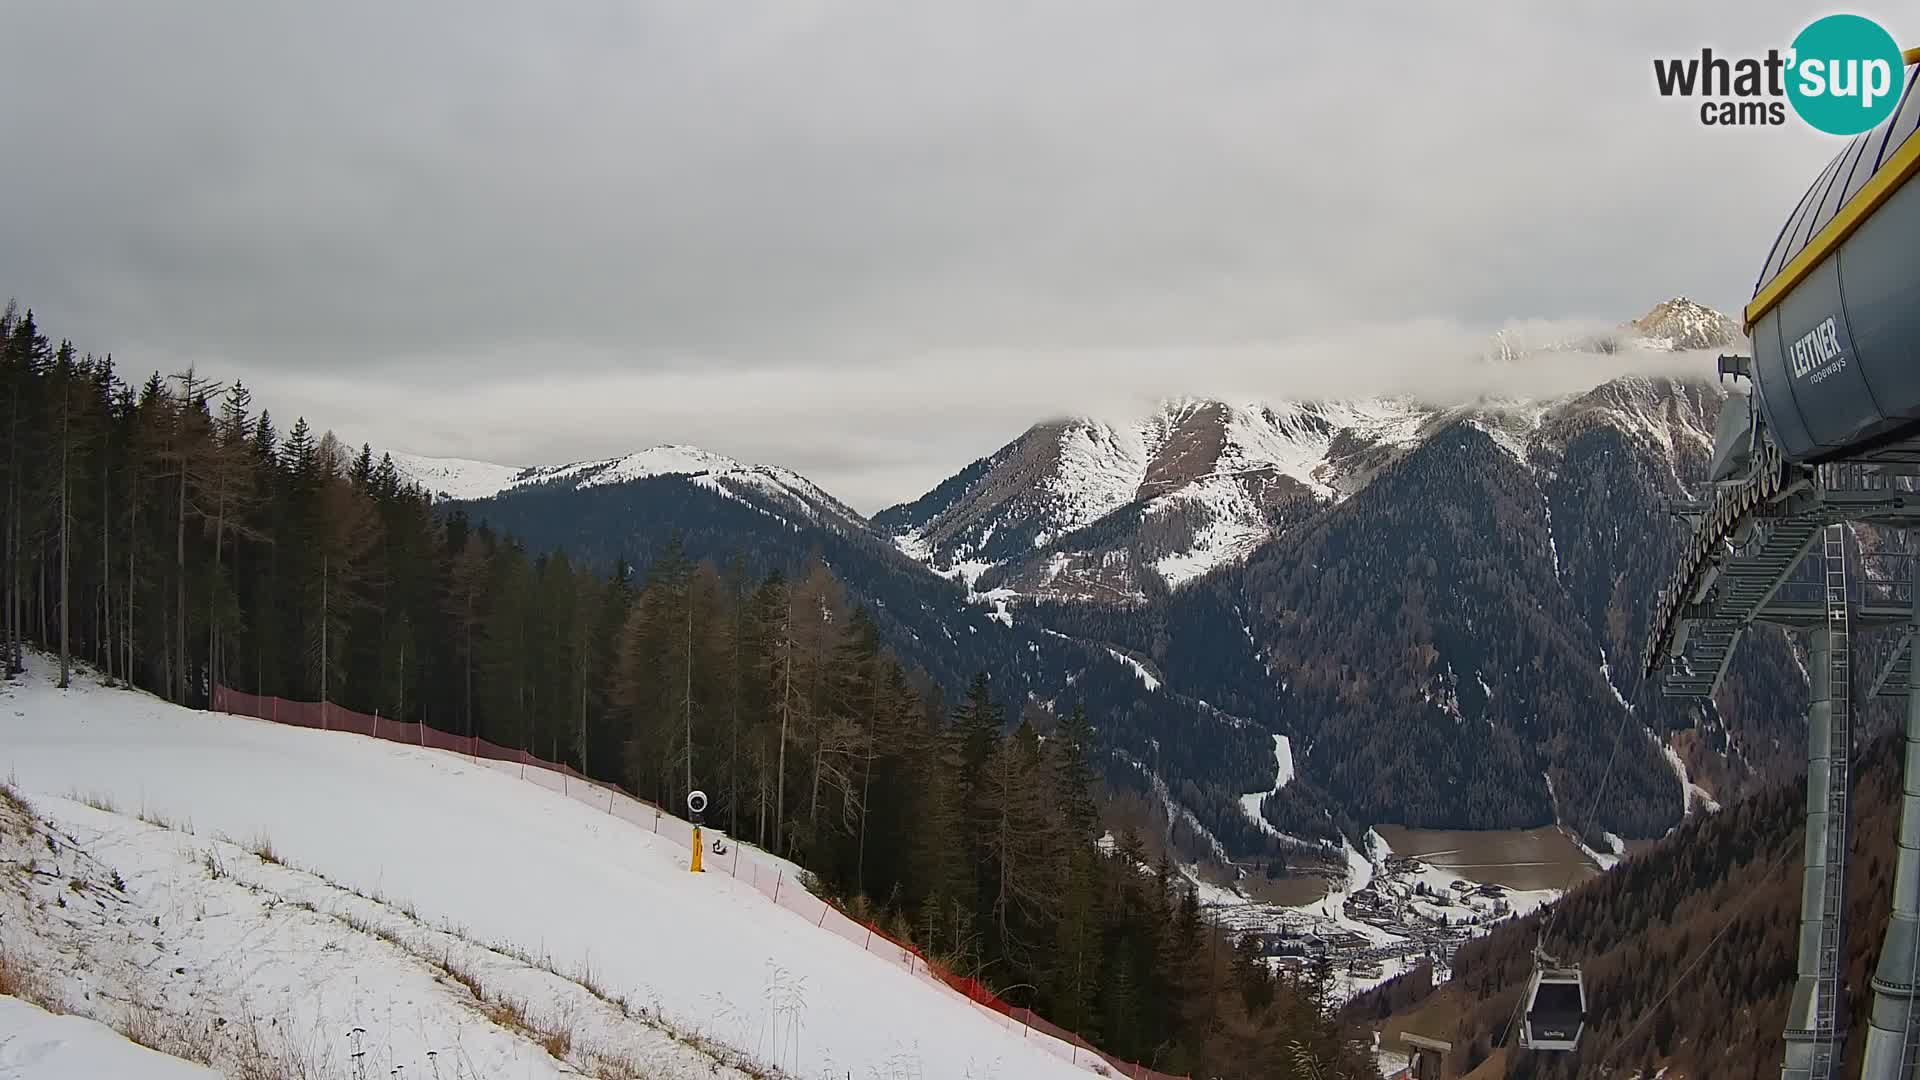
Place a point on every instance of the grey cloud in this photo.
(867, 240)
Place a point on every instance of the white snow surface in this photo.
(1601, 859)
(458, 478)
(1359, 875)
(1606, 672)
(1250, 804)
(510, 862)
(1291, 439)
(1692, 794)
(219, 954)
(455, 478)
(653, 461)
(1139, 669)
(38, 1045)
(1103, 463)
(1101, 466)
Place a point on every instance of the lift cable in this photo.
(1553, 910)
(1779, 861)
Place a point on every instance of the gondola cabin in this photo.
(1556, 1010)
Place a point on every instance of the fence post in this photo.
(776, 886)
(376, 723)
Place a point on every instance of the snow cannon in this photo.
(696, 806)
(1835, 317)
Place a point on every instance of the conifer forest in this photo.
(165, 533)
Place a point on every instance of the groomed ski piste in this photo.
(233, 887)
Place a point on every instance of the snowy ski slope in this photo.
(510, 862)
(35, 1045)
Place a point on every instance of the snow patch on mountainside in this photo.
(1101, 465)
(1234, 528)
(1606, 672)
(1295, 438)
(653, 461)
(754, 485)
(1210, 472)
(455, 478)
(1146, 677)
(1605, 860)
(1679, 767)
(1511, 424)
(1250, 804)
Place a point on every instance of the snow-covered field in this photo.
(401, 867)
(38, 1045)
(217, 953)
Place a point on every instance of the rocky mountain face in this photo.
(1439, 606)
(1123, 511)
(1120, 511)
(1681, 323)
(1439, 646)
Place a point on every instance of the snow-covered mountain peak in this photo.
(774, 489)
(1095, 507)
(1682, 323)
(455, 478)
(668, 459)
(1119, 508)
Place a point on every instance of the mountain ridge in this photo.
(1138, 568)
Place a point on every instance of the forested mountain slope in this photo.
(1204, 755)
(1453, 644)
(176, 540)
(1637, 931)
(1437, 605)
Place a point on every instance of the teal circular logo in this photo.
(1845, 74)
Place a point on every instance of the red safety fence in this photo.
(758, 869)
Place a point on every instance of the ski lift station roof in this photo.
(1835, 317)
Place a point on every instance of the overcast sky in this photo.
(869, 241)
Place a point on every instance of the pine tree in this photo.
(343, 538)
(226, 487)
(1072, 750)
(1020, 835)
(73, 429)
